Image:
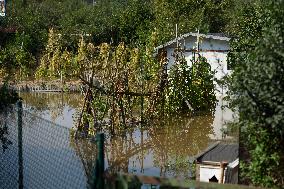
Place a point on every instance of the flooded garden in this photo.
(165, 149)
(155, 120)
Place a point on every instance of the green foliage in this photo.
(256, 89)
(55, 62)
(7, 96)
(129, 85)
(191, 87)
(190, 15)
(15, 59)
(115, 41)
(128, 21)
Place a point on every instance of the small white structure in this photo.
(219, 163)
(213, 47)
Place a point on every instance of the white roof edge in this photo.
(234, 163)
(209, 36)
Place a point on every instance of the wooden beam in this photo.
(213, 163)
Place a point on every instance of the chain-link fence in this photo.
(37, 153)
(9, 175)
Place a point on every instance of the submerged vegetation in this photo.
(128, 85)
(109, 45)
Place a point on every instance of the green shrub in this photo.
(257, 91)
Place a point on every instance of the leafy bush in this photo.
(191, 87)
(257, 91)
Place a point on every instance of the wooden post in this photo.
(61, 80)
(222, 165)
(20, 143)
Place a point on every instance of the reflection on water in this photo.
(164, 149)
(60, 108)
(160, 151)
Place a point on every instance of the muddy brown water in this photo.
(161, 150)
(165, 149)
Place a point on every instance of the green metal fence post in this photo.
(20, 143)
(100, 163)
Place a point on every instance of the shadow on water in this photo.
(165, 148)
(9, 150)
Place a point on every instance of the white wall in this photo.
(207, 172)
(221, 117)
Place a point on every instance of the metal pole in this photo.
(20, 143)
(100, 163)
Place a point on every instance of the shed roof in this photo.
(220, 152)
(217, 36)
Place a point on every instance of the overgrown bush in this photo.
(191, 88)
(257, 91)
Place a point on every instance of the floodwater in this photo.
(166, 149)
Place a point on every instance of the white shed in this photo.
(219, 163)
(214, 47)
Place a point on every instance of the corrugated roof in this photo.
(221, 152)
(191, 34)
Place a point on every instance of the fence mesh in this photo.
(8, 159)
(37, 153)
(48, 159)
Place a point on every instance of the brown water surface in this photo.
(164, 149)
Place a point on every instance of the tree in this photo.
(257, 90)
(128, 21)
(15, 60)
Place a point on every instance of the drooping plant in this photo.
(110, 78)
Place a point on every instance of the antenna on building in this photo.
(177, 34)
(198, 40)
